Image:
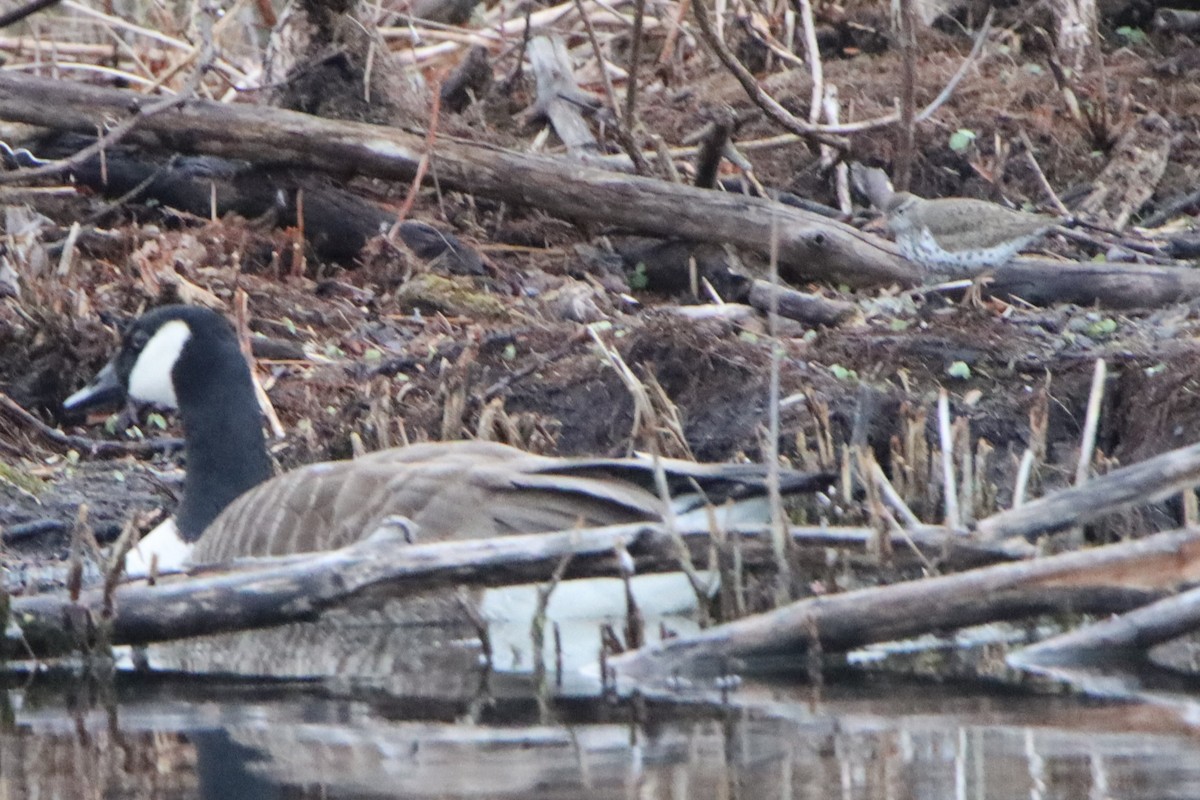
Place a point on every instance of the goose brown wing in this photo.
(461, 490)
(716, 482)
(452, 491)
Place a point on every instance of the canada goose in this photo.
(187, 358)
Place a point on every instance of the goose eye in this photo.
(138, 340)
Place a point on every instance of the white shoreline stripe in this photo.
(164, 544)
(150, 379)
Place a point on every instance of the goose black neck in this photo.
(223, 438)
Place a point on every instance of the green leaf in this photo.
(959, 369)
(1131, 35)
(373, 354)
(1102, 327)
(156, 420)
(510, 352)
(898, 325)
(637, 278)
(961, 139)
(842, 373)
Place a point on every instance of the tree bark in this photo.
(810, 247)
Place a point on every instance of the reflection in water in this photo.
(226, 768)
(385, 650)
(857, 738)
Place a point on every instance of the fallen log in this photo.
(264, 592)
(336, 223)
(810, 247)
(275, 591)
(1138, 484)
(267, 592)
(1042, 282)
(1080, 582)
(1121, 637)
(804, 307)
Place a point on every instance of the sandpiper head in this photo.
(899, 212)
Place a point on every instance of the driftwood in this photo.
(290, 589)
(1177, 19)
(810, 309)
(275, 591)
(1122, 637)
(1043, 282)
(810, 247)
(1134, 170)
(559, 98)
(1077, 582)
(337, 223)
(1138, 484)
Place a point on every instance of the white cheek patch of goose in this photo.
(150, 379)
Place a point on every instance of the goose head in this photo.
(187, 359)
(156, 346)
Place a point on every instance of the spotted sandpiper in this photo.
(959, 237)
